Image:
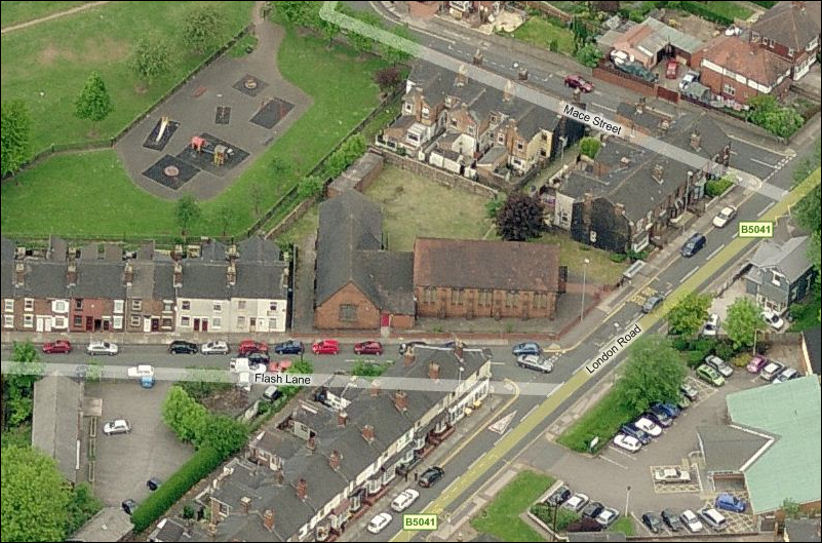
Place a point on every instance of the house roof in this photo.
(99, 279)
(727, 448)
(7, 249)
(650, 37)
(109, 524)
(789, 258)
(793, 24)
(43, 279)
(802, 529)
(738, 55)
(792, 466)
(55, 428)
(813, 343)
(503, 265)
(357, 171)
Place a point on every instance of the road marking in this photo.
(614, 462)
(500, 438)
(603, 107)
(735, 234)
(529, 412)
(765, 209)
(498, 363)
(687, 275)
(623, 453)
(768, 164)
(713, 254)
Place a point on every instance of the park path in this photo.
(52, 16)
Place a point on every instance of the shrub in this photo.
(589, 147)
(725, 350)
(618, 257)
(741, 360)
(716, 187)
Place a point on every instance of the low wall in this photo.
(440, 176)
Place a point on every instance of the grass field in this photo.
(501, 517)
(14, 13)
(624, 525)
(416, 207)
(540, 32)
(46, 65)
(734, 10)
(601, 269)
(603, 420)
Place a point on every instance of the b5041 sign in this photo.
(755, 229)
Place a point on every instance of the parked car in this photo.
(683, 402)
(710, 375)
(178, 346)
(271, 393)
(632, 430)
(756, 364)
(153, 484)
(430, 476)
(638, 70)
(621, 57)
(661, 419)
(129, 506)
(648, 426)
(528, 347)
(672, 69)
(670, 409)
(410, 344)
(725, 215)
(404, 500)
(654, 300)
(690, 391)
(558, 496)
(61, 346)
(628, 443)
(711, 326)
(279, 366)
(326, 346)
(102, 347)
(607, 516)
(577, 82)
(689, 78)
(119, 426)
(368, 347)
(576, 502)
(289, 347)
(379, 522)
(691, 521)
(713, 518)
(771, 370)
(724, 369)
(248, 346)
(258, 359)
(592, 510)
(671, 520)
(671, 475)
(215, 347)
(729, 502)
(772, 319)
(534, 362)
(694, 244)
(786, 375)
(652, 521)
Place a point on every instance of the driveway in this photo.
(126, 461)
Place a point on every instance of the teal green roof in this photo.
(791, 466)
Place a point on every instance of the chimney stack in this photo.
(334, 460)
(232, 252)
(231, 273)
(459, 349)
(462, 76)
(342, 418)
(696, 140)
(177, 254)
(409, 356)
(477, 58)
(178, 274)
(280, 478)
(368, 433)
(20, 273)
(640, 105)
(71, 273)
(311, 443)
(401, 400)
(246, 503)
(619, 210)
(433, 371)
(302, 490)
(268, 520)
(659, 170)
(508, 91)
(128, 274)
(375, 388)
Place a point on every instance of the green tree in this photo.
(94, 102)
(395, 55)
(388, 78)
(328, 30)
(520, 218)
(82, 506)
(653, 373)
(27, 366)
(589, 55)
(297, 13)
(224, 216)
(687, 317)
(492, 207)
(790, 508)
(779, 120)
(742, 321)
(15, 136)
(589, 146)
(34, 496)
(184, 415)
(150, 58)
(223, 434)
(310, 187)
(187, 211)
(203, 28)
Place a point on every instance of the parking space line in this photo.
(626, 455)
(768, 164)
(614, 462)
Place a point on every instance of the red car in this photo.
(326, 346)
(671, 69)
(61, 346)
(248, 346)
(577, 82)
(368, 347)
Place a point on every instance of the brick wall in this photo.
(445, 305)
(440, 176)
(624, 80)
(327, 314)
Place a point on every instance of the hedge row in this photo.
(767, 4)
(198, 466)
(705, 12)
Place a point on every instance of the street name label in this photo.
(419, 522)
(591, 119)
(755, 229)
(609, 352)
(283, 379)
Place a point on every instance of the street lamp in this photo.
(627, 497)
(753, 352)
(584, 276)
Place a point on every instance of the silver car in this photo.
(102, 347)
(724, 369)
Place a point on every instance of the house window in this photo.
(167, 323)
(241, 305)
(791, 52)
(472, 130)
(28, 321)
(272, 324)
(348, 313)
(511, 298)
(185, 321)
(217, 307)
(241, 322)
(771, 43)
(426, 113)
(272, 306)
(186, 305)
(168, 306)
(8, 305)
(520, 146)
(486, 296)
(216, 322)
(457, 295)
(78, 321)
(407, 107)
(540, 301)
(501, 138)
(136, 304)
(729, 89)
(453, 122)
(119, 306)
(8, 321)
(117, 322)
(430, 295)
(135, 321)
(78, 304)
(28, 304)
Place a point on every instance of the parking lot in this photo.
(125, 462)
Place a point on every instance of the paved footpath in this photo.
(52, 16)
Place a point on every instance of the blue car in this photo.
(631, 430)
(528, 347)
(289, 347)
(660, 417)
(729, 502)
(670, 409)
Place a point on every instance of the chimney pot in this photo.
(20, 274)
(342, 418)
(368, 433)
(401, 400)
(246, 503)
(231, 274)
(434, 371)
(409, 356)
(334, 460)
(128, 273)
(302, 489)
(178, 274)
(71, 273)
(268, 520)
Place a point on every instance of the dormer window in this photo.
(407, 107)
(791, 52)
(426, 113)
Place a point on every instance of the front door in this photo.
(89, 324)
(40, 324)
(205, 325)
(196, 325)
(252, 323)
(155, 325)
(385, 320)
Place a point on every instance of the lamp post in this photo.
(753, 349)
(627, 498)
(584, 277)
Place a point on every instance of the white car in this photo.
(102, 347)
(629, 443)
(379, 522)
(724, 369)
(607, 517)
(786, 375)
(576, 502)
(711, 326)
(534, 362)
(772, 319)
(689, 78)
(404, 500)
(771, 370)
(648, 426)
(214, 347)
(119, 426)
(671, 475)
(725, 216)
(691, 521)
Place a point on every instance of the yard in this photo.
(602, 421)
(600, 269)
(14, 13)
(732, 10)
(416, 207)
(502, 517)
(541, 32)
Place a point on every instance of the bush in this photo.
(589, 146)
(368, 369)
(741, 360)
(198, 466)
(716, 187)
(725, 350)
(618, 257)
(545, 513)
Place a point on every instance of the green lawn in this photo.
(13, 13)
(46, 65)
(540, 32)
(601, 269)
(416, 207)
(734, 10)
(501, 517)
(603, 421)
(96, 197)
(624, 525)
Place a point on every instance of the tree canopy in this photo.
(94, 101)
(203, 28)
(187, 211)
(653, 372)
(15, 136)
(688, 316)
(742, 321)
(520, 218)
(184, 415)
(150, 58)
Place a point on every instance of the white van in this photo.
(713, 518)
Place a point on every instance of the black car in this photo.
(153, 484)
(289, 347)
(694, 244)
(255, 359)
(652, 521)
(592, 510)
(660, 417)
(631, 430)
(407, 345)
(430, 476)
(671, 519)
(559, 496)
(183, 347)
(129, 506)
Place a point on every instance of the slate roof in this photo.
(793, 24)
(98, 279)
(7, 248)
(727, 448)
(803, 529)
(55, 429)
(813, 343)
(109, 524)
(737, 54)
(789, 258)
(44, 279)
(503, 265)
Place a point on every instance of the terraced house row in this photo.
(100, 288)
